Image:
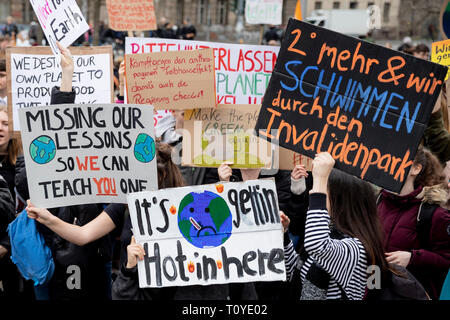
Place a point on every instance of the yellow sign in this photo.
(440, 53)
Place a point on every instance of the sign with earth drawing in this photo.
(209, 234)
(77, 154)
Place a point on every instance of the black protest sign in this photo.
(365, 104)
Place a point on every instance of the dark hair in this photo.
(421, 48)
(353, 211)
(169, 176)
(432, 170)
(2, 65)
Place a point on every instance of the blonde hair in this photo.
(14, 148)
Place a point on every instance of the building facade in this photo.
(218, 20)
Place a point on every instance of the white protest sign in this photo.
(263, 11)
(61, 20)
(77, 154)
(242, 71)
(33, 72)
(209, 234)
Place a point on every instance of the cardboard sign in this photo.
(32, 72)
(136, 15)
(209, 234)
(175, 80)
(440, 53)
(242, 71)
(288, 159)
(77, 154)
(365, 104)
(225, 133)
(263, 11)
(61, 20)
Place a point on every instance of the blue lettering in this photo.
(387, 107)
(341, 99)
(301, 81)
(321, 85)
(409, 122)
(295, 62)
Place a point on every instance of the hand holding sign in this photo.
(323, 163)
(66, 59)
(285, 221)
(67, 68)
(299, 172)
(41, 215)
(224, 171)
(134, 252)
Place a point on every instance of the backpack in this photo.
(405, 286)
(28, 250)
(401, 285)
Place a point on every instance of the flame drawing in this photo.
(219, 188)
(219, 264)
(173, 210)
(191, 267)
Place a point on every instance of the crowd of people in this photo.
(334, 225)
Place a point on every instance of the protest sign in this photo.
(365, 104)
(209, 234)
(440, 53)
(61, 20)
(225, 133)
(175, 80)
(78, 154)
(242, 71)
(134, 15)
(288, 159)
(32, 72)
(263, 11)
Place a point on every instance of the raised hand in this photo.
(134, 252)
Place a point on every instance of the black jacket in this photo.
(298, 207)
(92, 257)
(7, 210)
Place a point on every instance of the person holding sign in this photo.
(417, 229)
(94, 260)
(335, 259)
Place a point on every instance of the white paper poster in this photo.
(263, 11)
(209, 234)
(33, 72)
(61, 20)
(242, 71)
(78, 154)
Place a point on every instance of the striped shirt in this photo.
(344, 260)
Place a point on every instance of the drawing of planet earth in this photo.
(204, 219)
(144, 148)
(42, 149)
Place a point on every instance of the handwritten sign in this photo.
(61, 20)
(135, 15)
(32, 73)
(76, 154)
(242, 71)
(209, 234)
(175, 80)
(263, 11)
(440, 53)
(365, 104)
(225, 133)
